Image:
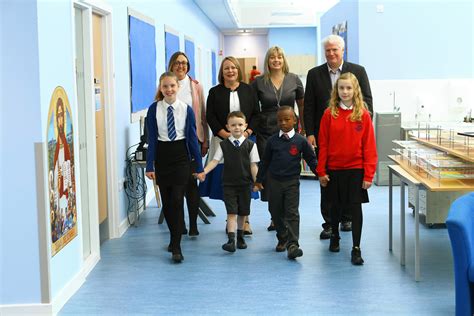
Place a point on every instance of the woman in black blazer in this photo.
(231, 94)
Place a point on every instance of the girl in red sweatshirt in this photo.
(347, 158)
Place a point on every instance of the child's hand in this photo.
(324, 180)
(366, 185)
(201, 176)
(257, 187)
(150, 175)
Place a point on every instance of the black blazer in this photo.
(318, 92)
(218, 106)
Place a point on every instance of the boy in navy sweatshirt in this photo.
(281, 163)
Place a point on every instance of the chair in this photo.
(460, 223)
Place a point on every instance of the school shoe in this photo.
(334, 244)
(247, 229)
(281, 246)
(230, 244)
(294, 252)
(346, 226)
(326, 233)
(193, 232)
(240, 240)
(271, 227)
(356, 257)
(177, 257)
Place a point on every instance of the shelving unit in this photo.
(443, 162)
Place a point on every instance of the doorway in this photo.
(246, 66)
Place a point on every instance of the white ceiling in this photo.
(256, 16)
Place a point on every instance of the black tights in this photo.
(356, 212)
(172, 197)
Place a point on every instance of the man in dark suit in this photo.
(319, 84)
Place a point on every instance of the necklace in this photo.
(278, 97)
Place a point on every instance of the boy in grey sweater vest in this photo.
(240, 170)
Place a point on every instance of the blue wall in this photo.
(295, 40)
(419, 39)
(20, 129)
(346, 10)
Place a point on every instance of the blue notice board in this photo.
(214, 68)
(171, 46)
(189, 51)
(142, 63)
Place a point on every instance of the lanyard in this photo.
(278, 97)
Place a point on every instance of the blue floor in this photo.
(135, 275)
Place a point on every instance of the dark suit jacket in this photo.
(218, 106)
(318, 92)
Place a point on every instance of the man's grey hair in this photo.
(333, 39)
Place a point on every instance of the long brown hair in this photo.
(357, 101)
(159, 95)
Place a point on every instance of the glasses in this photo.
(180, 63)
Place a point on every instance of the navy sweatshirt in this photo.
(282, 158)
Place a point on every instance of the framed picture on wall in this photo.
(341, 30)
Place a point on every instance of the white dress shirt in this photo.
(219, 155)
(290, 133)
(335, 74)
(184, 92)
(179, 112)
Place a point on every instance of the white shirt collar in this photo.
(174, 105)
(339, 68)
(345, 107)
(290, 133)
(240, 139)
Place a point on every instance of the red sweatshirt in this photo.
(344, 144)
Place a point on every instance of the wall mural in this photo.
(61, 175)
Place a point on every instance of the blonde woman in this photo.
(276, 87)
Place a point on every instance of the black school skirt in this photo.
(345, 187)
(172, 165)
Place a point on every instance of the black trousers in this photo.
(172, 196)
(283, 202)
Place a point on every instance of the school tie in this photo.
(171, 128)
(236, 143)
(285, 136)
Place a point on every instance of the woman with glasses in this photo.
(190, 92)
(231, 94)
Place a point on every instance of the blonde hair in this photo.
(236, 64)
(357, 101)
(275, 50)
(159, 95)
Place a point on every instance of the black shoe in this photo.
(334, 244)
(185, 231)
(247, 229)
(294, 251)
(193, 232)
(356, 258)
(346, 226)
(281, 246)
(271, 227)
(240, 240)
(230, 244)
(326, 233)
(177, 257)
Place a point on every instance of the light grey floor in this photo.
(136, 277)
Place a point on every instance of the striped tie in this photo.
(236, 143)
(171, 128)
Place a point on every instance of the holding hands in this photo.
(257, 187)
(366, 185)
(324, 180)
(200, 176)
